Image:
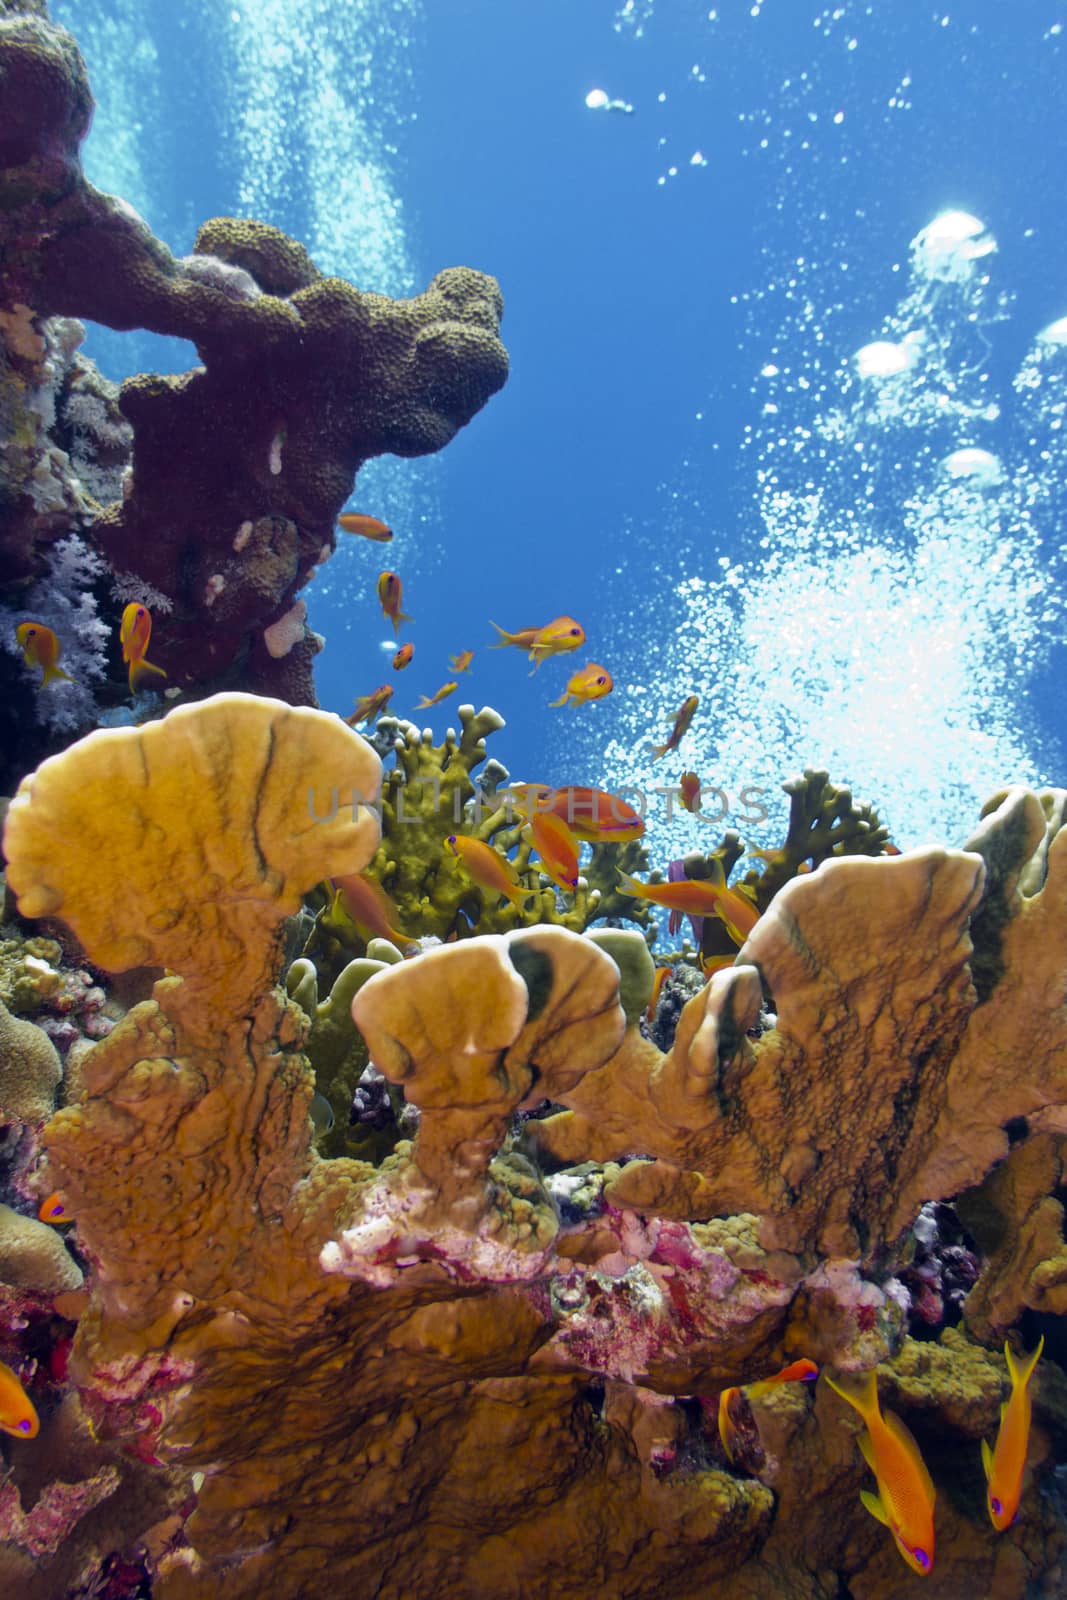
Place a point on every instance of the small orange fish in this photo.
(689, 786)
(435, 699)
(593, 682)
(370, 706)
(391, 594)
(797, 1372)
(700, 897)
(557, 847)
(681, 727)
(366, 527)
(17, 1415)
(41, 648)
(461, 663)
(53, 1210)
(710, 965)
(488, 867)
(403, 656)
(1004, 1464)
(134, 633)
(659, 979)
(594, 815)
(556, 637)
(905, 1498)
(368, 905)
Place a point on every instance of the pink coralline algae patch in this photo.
(661, 1291)
(60, 1507)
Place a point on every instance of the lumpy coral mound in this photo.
(488, 1364)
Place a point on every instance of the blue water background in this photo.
(752, 216)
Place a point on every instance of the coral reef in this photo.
(240, 466)
(485, 1362)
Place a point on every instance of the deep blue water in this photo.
(752, 216)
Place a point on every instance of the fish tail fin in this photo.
(505, 639)
(400, 617)
(141, 671)
(562, 701)
(860, 1389)
(987, 1461)
(52, 672)
(659, 750)
(630, 885)
(1020, 1371)
(420, 705)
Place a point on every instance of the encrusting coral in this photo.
(457, 1372)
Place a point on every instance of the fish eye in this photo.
(922, 1558)
(602, 679)
(24, 1424)
(995, 1505)
(575, 632)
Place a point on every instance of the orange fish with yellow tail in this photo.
(700, 897)
(905, 1498)
(461, 662)
(594, 815)
(489, 869)
(134, 634)
(367, 527)
(370, 706)
(390, 596)
(41, 648)
(557, 847)
(371, 908)
(1004, 1464)
(802, 1371)
(403, 656)
(593, 682)
(17, 1414)
(557, 637)
(686, 713)
(435, 699)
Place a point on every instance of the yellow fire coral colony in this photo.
(487, 1361)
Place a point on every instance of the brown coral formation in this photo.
(457, 1372)
(304, 378)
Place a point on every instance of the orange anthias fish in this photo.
(488, 867)
(658, 980)
(368, 905)
(135, 632)
(591, 814)
(435, 699)
(689, 788)
(366, 527)
(403, 656)
(797, 1372)
(593, 682)
(53, 1210)
(1004, 1464)
(700, 897)
(557, 847)
(17, 1415)
(461, 663)
(681, 727)
(556, 637)
(41, 648)
(370, 706)
(391, 593)
(905, 1498)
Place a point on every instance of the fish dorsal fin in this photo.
(874, 1506)
(867, 1450)
(903, 1434)
(987, 1460)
